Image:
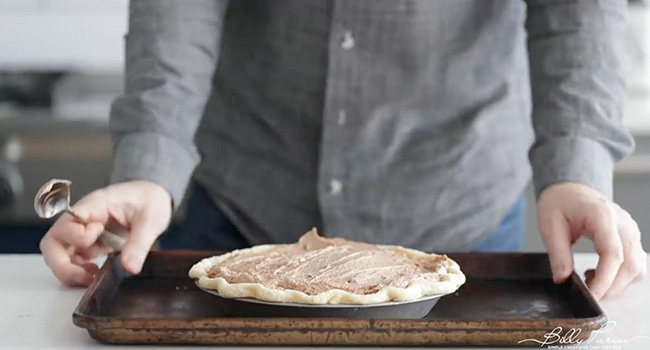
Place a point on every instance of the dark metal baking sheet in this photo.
(507, 298)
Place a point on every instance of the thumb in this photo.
(556, 234)
(144, 232)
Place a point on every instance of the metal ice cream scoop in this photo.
(53, 198)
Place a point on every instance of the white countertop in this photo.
(36, 309)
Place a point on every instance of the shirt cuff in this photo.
(572, 159)
(155, 158)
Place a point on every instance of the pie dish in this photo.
(325, 271)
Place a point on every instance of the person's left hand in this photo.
(569, 211)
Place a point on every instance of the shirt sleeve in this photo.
(171, 54)
(576, 51)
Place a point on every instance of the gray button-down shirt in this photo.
(391, 121)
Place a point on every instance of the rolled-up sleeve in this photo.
(172, 51)
(576, 50)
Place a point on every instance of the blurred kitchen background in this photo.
(61, 65)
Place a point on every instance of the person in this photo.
(410, 122)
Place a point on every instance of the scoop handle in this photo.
(108, 238)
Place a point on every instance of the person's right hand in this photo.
(140, 210)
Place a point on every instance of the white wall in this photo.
(67, 34)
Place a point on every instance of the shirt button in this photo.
(348, 41)
(335, 186)
(342, 117)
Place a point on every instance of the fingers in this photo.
(71, 230)
(589, 276)
(93, 207)
(144, 232)
(70, 265)
(601, 223)
(93, 252)
(587, 213)
(633, 269)
(70, 240)
(634, 265)
(57, 258)
(67, 229)
(556, 234)
(91, 268)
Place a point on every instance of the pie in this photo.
(318, 270)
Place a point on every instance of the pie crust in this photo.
(440, 275)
